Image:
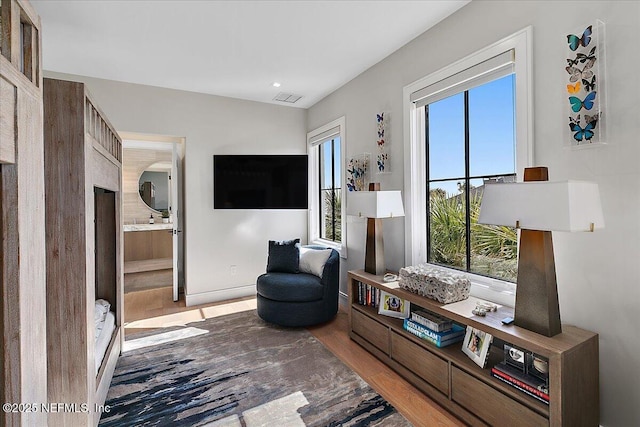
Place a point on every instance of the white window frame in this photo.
(314, 139)
(415, 167)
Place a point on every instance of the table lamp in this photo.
(538, 207)
(375, 205)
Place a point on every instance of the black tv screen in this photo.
(260, 181)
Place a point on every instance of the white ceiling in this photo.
(231, 48)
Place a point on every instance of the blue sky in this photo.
(491, 134)
(326, 154)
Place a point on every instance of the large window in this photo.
(326, 193)
(470, 125)
(470, 143)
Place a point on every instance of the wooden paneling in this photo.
(490, 405)
(8, 109)
(428, 366)
(106, 250)
(22, 261)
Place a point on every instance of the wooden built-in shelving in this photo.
(453, 380)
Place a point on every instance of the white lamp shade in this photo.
(375, 204)
(543, 205)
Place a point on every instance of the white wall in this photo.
(215, 239)
(598, 273)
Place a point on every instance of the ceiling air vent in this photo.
(287, 97)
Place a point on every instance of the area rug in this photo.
(237, 371)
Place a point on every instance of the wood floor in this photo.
(154, 309)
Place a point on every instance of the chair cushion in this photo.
(283, 256)
(312, 261)
(287, 287)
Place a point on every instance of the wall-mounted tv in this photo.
(260, 181)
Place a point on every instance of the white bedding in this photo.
(103, 337)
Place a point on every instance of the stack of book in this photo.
(442, 338)
(529, 384)
(368, 295)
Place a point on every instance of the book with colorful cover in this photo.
(431, 320)
(440, 339)
(529, 384)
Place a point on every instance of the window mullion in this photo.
(428, 195)
(467, 182)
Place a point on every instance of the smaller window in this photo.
(326, 147)
(330, 194)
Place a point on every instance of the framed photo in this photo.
(476, 345)
(391, 305)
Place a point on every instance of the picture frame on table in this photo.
(391, 305)
(476, 345)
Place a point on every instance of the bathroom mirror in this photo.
(154, 186)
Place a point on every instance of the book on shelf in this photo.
(368, 295)
(432, 321)
(440, 339)
(529, 384)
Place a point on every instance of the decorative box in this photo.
(435, 283)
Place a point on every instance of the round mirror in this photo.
(154, 186)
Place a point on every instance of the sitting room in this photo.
(319, 213)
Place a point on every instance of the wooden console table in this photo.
(453, 380)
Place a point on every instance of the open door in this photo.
(175, 209)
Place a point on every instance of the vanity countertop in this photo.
(147, 227)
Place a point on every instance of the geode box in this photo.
(435, 283)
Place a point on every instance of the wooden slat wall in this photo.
(22, 263)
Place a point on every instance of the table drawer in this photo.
(421, 362)
(489, 404)
(374, 332)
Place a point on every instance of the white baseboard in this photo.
(220, 295)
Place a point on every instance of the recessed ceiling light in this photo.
(275, 84)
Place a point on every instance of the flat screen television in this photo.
(260, 181)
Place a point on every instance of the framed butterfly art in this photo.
(584, 91)
(382, 157)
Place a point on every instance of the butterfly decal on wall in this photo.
(380, 117)
(381, 133)
(380, 142)
(581, 133)
(575, 42)
(584, 73)
(589, 85)
(577, 104)
(573, 88)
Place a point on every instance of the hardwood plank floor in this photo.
(154, 309)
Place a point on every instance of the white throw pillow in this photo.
(312, 261)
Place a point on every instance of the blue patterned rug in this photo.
(238, 371)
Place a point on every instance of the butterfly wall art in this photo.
(382, 158)
(584, 93)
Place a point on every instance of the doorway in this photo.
(152, 169)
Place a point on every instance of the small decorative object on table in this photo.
(435, 283)
(482, 308)
(391, 305)
(151, 220)
(165, 216)
(476, 345)
(358, 172)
